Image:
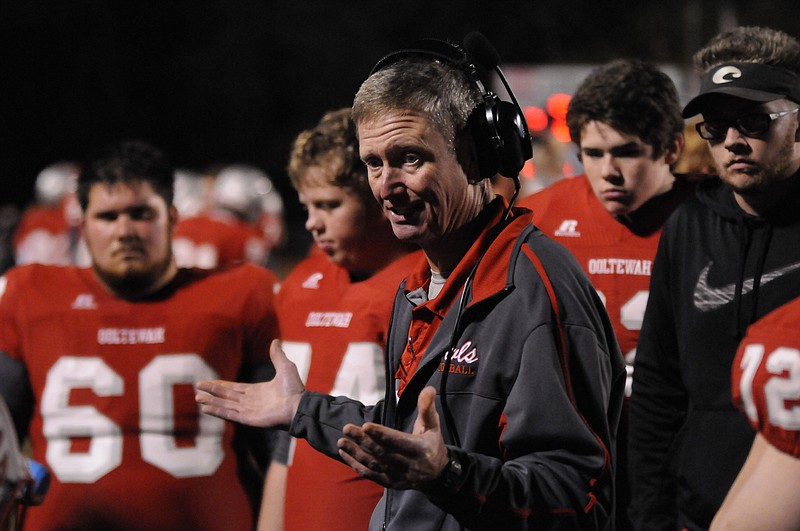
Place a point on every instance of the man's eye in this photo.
(628, 153)
(142, 214)
(372, 164)
(592, 154)
(412, 158)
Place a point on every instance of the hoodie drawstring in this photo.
(762, 258)
(746, 239)
(744, 244)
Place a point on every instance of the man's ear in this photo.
(467, 157)
(672, 152)
(797, 131)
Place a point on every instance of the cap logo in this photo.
(726, 74)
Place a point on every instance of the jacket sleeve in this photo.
(658, 406)
(320, 419)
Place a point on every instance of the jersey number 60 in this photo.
(156, 419)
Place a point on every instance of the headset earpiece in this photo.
(498, 127)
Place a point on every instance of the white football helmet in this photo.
(55, 181)
(191, 192)
(247, 191)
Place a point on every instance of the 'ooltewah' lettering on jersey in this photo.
(131, 336)
(620, 266)
(329, 319)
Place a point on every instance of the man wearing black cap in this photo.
(725, 259)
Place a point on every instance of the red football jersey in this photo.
(115, 419)
(45, 235)
(766, 377)
(335, 331)
(617, 261)
(208, 242)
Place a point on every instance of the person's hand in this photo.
(271, 404)
(396, 459)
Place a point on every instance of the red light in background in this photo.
(557, 105)
(528, 170)
(560, 130)
(536, 118)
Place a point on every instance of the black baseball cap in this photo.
(748, 81)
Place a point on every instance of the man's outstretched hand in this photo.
(271, 404)
(396, 459)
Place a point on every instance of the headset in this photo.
(498, 127)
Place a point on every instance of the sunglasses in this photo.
(749, 125)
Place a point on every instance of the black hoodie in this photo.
(717, 270)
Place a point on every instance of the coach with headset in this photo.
(504, 382)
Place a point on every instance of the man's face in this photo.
(749, 164)
(621, 168)
(128, 231)
(416, 177)
(341, 224)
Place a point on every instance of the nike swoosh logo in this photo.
(707, 298)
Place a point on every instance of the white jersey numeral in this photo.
(190, 254)
(631, 316)
(62, 421)
(157, 441)
(360, 375)
(781, 389)
(156, 412)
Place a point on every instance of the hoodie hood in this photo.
(718, 196)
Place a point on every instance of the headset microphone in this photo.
(479, 48)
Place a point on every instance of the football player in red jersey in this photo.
(109, 356)
(625, 118)
(48, 231)
(333, 312)
(765, 384)
(243, 225)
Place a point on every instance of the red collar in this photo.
(492, 247)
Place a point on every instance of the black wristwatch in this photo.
(453, 474)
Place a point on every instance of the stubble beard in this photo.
(134, 283)
(780, 167)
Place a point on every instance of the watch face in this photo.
(452, 474)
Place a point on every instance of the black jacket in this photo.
(716, 271)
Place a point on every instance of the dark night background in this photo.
(214, 81)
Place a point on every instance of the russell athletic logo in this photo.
(312, 282)
(726, 74)
(568, 229)
(707, 298)
(84, 301)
